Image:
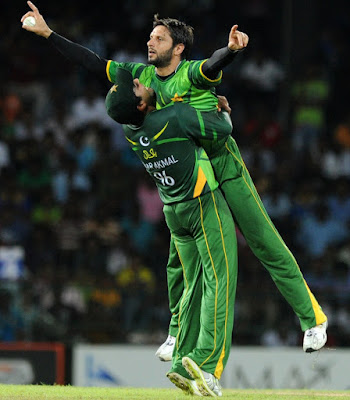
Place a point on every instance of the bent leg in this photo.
(266, 243)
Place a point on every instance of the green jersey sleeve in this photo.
(134, 68)
(197, 77)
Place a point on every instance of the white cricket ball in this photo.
(29, 21)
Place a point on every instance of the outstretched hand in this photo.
(40, 28)
(237, 40)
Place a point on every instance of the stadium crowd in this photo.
(83, 242)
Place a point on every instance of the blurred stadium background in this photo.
(83, 243)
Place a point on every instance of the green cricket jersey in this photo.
(187, 84)
(166, 145)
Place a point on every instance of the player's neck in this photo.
(169, 69)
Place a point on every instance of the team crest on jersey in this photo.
(144, 141)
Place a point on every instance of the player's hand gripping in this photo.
(223, 104)
(237, 40)
(40, 28)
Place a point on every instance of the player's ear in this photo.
(178, 49)
(142, 106)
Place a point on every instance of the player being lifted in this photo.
(200, 223)
(176, 79)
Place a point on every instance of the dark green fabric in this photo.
(121, 102)
(165, 143)
(262, 237)
(203, 233)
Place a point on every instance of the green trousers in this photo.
(202, 232)
(262, 237)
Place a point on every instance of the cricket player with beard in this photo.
(175, 79)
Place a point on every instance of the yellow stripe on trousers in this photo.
(319, 315)
(183, 297)
(219, 367)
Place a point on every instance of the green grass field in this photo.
(42, 392)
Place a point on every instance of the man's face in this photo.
(146, 93)
(160, 47)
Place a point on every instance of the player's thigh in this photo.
(216, 236)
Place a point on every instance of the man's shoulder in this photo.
(135, 68)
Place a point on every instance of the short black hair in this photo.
(179, 32)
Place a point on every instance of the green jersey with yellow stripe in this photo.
(167, 145)
(187, 84)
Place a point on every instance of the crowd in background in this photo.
(83, 242)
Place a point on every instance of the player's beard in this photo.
(163, 60)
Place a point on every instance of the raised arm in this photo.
(73, 51)
(40, 28)
(237, 41)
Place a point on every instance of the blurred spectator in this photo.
(69, 235)
(103, 322)
(12, 261)
(103, 225)
(151, 206)
(46, 211)
(281, 334)
(319, 272)
(68, 178)
(40, 249)
(14, 227)
(129, 53)
(342, 133)
(88, 109)
(277, 203)
(339, 201)
(11, 106)
(310, 95)
(27, 127)
(58, 123)
(5, 158)
(35, 177)
(261, 76)
(319, 230)
(137, 283)
(139, 231)
(261, 127)
(92, 255)
(334, 160)
(82, 149)
(11, 319)
(73, 298)
(118, 255)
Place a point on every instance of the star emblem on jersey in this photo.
(113, 88)
(177, 98)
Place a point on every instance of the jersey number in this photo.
(164, 179)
